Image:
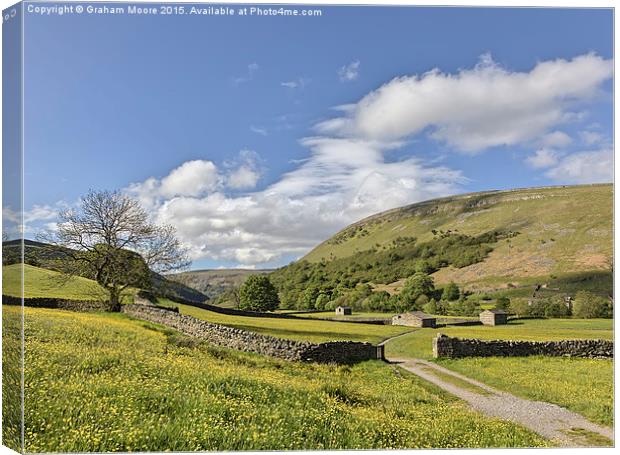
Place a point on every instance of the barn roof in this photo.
(421, 315)
(495, 311)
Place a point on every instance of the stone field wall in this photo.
(243, 340)
(445, 346)
(61, 304)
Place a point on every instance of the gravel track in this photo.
(551, 421)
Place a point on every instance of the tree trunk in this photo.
(115, 301)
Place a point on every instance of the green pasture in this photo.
(98, 382)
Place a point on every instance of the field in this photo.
(361, 315)
(297, 329)
(102, 382)
(40, 282)
(352, 317)
(581, 385)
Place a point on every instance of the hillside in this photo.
(213, 283)
(552, 241)
(39, 282)
(560, 230)
(39, 255)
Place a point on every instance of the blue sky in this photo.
(258, 137)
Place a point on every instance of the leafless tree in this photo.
(109, 238)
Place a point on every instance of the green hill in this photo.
(41, 256)
(558, 237)
(40, 282)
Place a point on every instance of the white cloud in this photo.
(347, 175)
(584, 167)
(191, 179)
(299, 83)
(258, 130)
(543, 158)
(198, 178)
(342, 181)
(38, 214)
(591, 137)
(252, 69)
(242, 178)
(349, 72)
(556, 139)
(476, 108)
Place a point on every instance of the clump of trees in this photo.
(451, 292)
(257, 293)
(417, 290)
(585, 305)
(588, 305)
(109, 238)
(418, 293)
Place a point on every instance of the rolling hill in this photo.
(559, 236)
(38, 254)
(213, 283)
(39, 282)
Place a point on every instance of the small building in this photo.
(415, 319)
(494, 317)
(343, 310)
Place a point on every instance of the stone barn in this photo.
(415, 319)
(494, 317)
(343, 310)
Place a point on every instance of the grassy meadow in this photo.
(584, 386)
(364, 315)
(296, 329)
(102, 382)
(12, 367)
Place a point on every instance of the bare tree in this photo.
(110, 239)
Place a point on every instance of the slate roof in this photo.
(495, 311)
(420, 315)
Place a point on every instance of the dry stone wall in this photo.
(243, 340)
(445, 346)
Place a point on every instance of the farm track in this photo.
(551, 421)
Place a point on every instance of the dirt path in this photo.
(548, 420)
